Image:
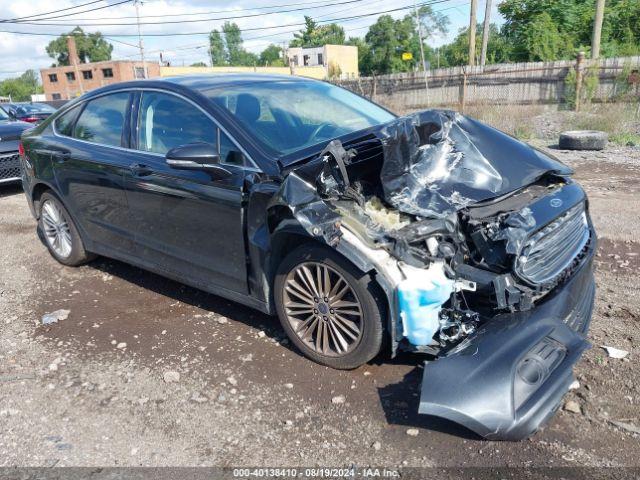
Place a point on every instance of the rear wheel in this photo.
(330, 310)
(60, 233)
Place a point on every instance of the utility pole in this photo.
(485, 33)
(597, 29)
(140, 42)
(472, 33)
(424, 64)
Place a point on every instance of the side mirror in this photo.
(193, 156)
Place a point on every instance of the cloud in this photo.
(21, 52)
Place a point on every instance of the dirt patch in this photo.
(90, 390)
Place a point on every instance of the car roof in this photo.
(204, 83)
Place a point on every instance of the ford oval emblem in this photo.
(555, 202)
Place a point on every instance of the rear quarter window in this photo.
(64, 123)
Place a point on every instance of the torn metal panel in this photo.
(314, 214)
(515, 230)
(437, 162)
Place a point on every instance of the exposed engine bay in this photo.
(470, 222)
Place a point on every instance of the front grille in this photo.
(551, 250)
(9, 166)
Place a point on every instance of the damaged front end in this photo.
(483, 246)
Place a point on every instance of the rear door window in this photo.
(102, 120)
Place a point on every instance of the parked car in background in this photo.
(10, 131)
(28, 112)
(432, 233)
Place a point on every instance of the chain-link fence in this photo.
(510, 95)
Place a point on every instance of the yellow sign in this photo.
(407, 56)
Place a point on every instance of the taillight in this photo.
(21, 149)
(31, 119)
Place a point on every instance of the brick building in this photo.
(65, 83)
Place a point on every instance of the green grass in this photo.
(625, 138)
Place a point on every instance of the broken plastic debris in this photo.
(615, 352)
(55, 317)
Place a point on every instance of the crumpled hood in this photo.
(437, 162)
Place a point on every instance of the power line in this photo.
(272, 35)
(200, 45)
(13, 20)
(48, 13)
(197, 20)
(209, 12)
(173, 34)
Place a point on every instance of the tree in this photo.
(314, 35)
(226, 48)
(271, 56)
(21, 88)
(91, 47)
(217, 53)
(199, 64)
(543, 41)
(364, 55)
(557, 29)
(432, 24)
(233, 42)
(387, 39)
(305, 37)
(457, 52)
(383, 45)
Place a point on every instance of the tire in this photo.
(332, 312)
(69, 249)
(583, 140)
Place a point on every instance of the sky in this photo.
(265, 22)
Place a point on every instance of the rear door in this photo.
(89, 161)
(187, 223)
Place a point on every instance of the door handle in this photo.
(61, 155)
(140, 169)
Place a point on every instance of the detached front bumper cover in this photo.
(507, 380)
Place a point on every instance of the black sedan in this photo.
(432, 233)
(28, 112)
(10, 131)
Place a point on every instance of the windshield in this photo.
(35, 108)
(3, 115)
(291, 115)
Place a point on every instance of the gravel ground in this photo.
(145, 371)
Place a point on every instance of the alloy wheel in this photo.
(322, 309)
(56, 229)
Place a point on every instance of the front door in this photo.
(187, 223)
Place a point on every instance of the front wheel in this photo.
(329, 309)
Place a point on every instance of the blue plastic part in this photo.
(420, 299)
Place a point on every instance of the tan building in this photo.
(329, 61)
(338, 61)
(65, 83)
